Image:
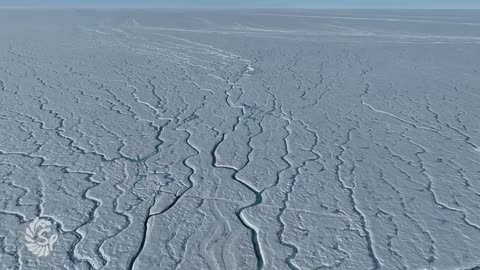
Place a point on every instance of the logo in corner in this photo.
(38, 241)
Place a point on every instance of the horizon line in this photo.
(236, 8)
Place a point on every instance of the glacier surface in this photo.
(240, 139)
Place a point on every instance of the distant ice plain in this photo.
(241, 139)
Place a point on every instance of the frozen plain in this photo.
(241, 139)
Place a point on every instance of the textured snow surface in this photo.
(182, 139)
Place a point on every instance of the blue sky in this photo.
(251, 3)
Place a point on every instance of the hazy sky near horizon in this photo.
(250, 3)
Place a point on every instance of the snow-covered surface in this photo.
(241, 139)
